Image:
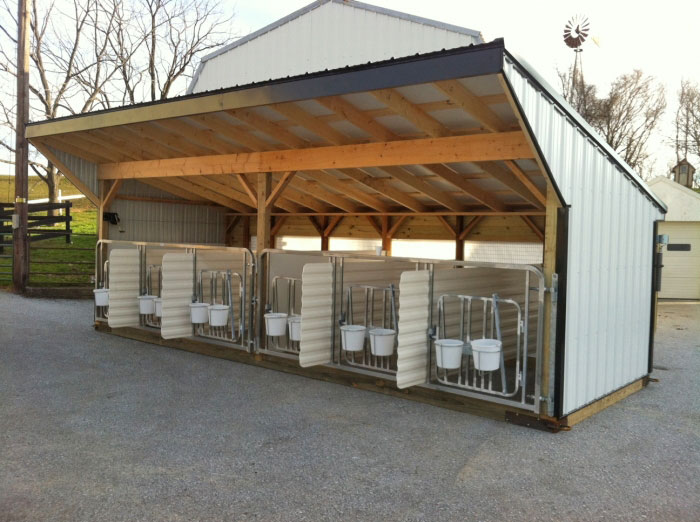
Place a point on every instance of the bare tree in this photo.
(102, 53)
(626, 118)
(687, 124)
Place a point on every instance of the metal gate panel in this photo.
(178, 289)
(124, 283)
(414, 306)
(316, 314)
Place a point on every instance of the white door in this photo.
(680, 278)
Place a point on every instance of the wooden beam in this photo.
(270, 128)
(68, 173)
(382, 186)
(434, 193)
(263, 225)
(467, 186)
(397, 225)
(375, 225)
(167, 201)
(279, 188)
(111, 193)
(211, 194)
(219, 188)
(203, 137)
(480, 147)
(447, 225)
(316, 190)
(311, 123)
(358, 118)
(403, 107)
(279, 222)
(171, 189)
(507, 178)
(386, 238)
(348, 189)
(334, 222)
(176, 142)
(470, 226)
(530, 223)
(248, 187)
(525, 180)
(471, 104)
(459, 243)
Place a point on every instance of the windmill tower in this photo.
(575, 33)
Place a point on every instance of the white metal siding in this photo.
(316, 314)
(610, 247)
(178, 271)
(680, 278)
(84, 170)
(165, 222)
(330, 36)
(124, 281)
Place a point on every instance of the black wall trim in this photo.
(655, 280)
(560, 266)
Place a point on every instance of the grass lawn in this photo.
(53, 262)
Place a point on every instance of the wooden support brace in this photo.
(279, 188)
(468, 229)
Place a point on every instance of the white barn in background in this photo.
(325, 35)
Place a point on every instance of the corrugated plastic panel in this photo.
(84, 170)
(412, 362)
(316, 314)
(178, 270)
(331, 36)
(124, 282)
(610, 246)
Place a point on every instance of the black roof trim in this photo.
(461, 62)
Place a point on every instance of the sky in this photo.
(660, 38)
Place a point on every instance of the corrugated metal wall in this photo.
(84, 170)
(610, 246)
(330, 36)
(165, 222)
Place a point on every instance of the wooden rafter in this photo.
(440, 196)
(533, 226)
(358, 118)
(205, 138)
(382, 186)
(279, 188)
(448, 226)
(304, 199)
(316, 189)
(525, 180)
(207, 192)
(348, 189)
(403, 107)
(466, 186)
(68, 173)
(172, 189)
(471, 104)
(470, 227)
(249, 188)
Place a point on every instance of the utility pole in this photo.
(20, 247)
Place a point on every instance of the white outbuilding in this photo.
(681, 274)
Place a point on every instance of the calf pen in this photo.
(460, 334)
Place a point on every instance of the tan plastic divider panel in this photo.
(414, 304)
(178, 272)
(124, 282)
(316, 314)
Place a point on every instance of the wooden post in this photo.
(550, 258)
(324, 238)
(386, 238)
(263, 226)
(20, 249)
(102, 227)
(246, 231)
(459, 243)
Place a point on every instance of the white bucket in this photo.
(294, 323)
(147, 305)
(199, 313)
(353, 337)
(448, 353)
(101, 296)
(276, 324)
(218, 315)
(159, 306)
(382, 341)
(487, 354)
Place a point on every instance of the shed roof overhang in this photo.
(432, 134)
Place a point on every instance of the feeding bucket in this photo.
(147, 305)
(218, 315)
(159, 306)
(276, 324)
(353, 337)
(294, 323)
(448, 353)
(487, 354)
(382, 341)
(101, 296)
(199, 313)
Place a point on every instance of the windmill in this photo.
(575, 33)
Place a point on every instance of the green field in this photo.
(53, 262)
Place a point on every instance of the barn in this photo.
(543, 315)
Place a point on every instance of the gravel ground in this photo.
(94, 427)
